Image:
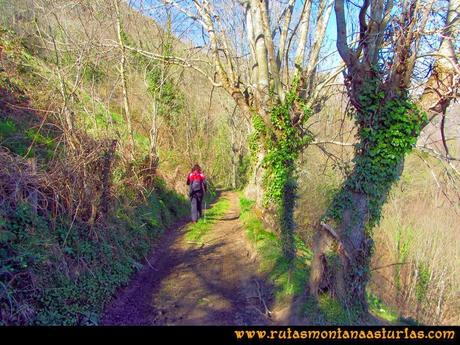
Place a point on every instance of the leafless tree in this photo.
(122, 69)
(256, 51)
(381, 65)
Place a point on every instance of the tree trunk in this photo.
(235, 155)
(286, 221)
(340, 264)
(278, 218)
(124, 84)
(389, 125)
(254, 189)
(106, 175)
(153, 136)
(342, 270)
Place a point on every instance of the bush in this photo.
(59, 272)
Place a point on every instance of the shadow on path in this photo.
(212, 283)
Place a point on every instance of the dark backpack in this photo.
(196, 186)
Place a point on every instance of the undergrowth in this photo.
(288, 278)
(62, 273)
(55, 268)
(291, 280)
(379, 309)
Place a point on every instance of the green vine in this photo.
(388, 130)
(388, 127)
(282, 140)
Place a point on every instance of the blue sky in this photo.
(194, 33)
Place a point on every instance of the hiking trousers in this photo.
(197, 210)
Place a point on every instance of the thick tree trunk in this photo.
(278, 218)
(389, 125)
(340, 265)
(255, 191)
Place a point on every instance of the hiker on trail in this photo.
(197, 182)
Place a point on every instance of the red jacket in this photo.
(196, 175)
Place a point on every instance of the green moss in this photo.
(332, 310)
(7, 128)
(327, 310)
(289, 277)
(379, 309)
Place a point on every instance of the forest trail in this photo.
(213, 281)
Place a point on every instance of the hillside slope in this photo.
(71, 230)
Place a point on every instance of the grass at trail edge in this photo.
(291, 280)
(196, 231)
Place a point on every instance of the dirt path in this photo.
(214, 282)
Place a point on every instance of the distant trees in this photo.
(442, 86)
(381, 64)
(259, 55)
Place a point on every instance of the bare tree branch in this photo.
(304, 28)
(342, 45)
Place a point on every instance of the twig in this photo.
(334, 234)
(393, 264)
(259, 311)
(330, 230)
(199, 243)
(316, 142)
(150, 265)
(267, 313)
